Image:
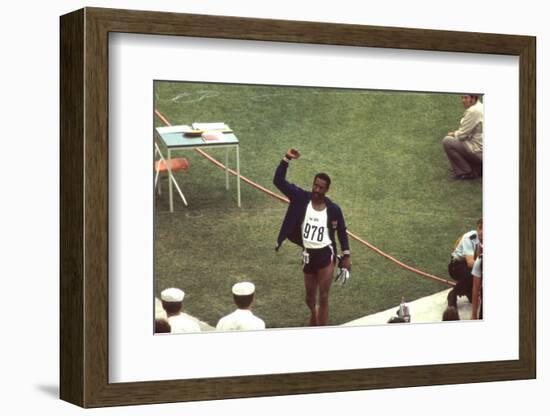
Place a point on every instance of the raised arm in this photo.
(279, 180)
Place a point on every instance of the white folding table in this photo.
(175, 140)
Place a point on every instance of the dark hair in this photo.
(162, 326)
(451, 314)
(324, 177)
(477, 97)
(243, 301)
(479, 222)
(172, 308)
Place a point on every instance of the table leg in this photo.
(227, 168)
(169, 166)
(238, 178)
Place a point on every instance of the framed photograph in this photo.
(176, 138)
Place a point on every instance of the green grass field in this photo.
(389, 175)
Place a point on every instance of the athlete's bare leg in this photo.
(311, 283)
(325, 281)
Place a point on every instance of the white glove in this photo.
(342, 274)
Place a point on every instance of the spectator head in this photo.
(243, 294)
(162, 326)
(469, 100)
(451, 314)
(172, 300)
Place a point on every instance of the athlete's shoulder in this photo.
(333, 206)
(330, 203)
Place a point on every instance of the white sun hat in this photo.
(172, 294)
(243, 288)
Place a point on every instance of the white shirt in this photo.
(183, 323)
(314, 228)
(241, 319)
(470, 130)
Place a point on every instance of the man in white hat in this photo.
(172, 302)
(242, 319)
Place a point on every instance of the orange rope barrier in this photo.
(284, 199)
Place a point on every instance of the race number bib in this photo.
(314, 233)
(314, 228)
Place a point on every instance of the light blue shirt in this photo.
(476, 270)
(467, 246)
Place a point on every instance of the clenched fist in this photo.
(292, 154)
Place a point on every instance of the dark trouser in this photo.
(459, 271)
(462, 160)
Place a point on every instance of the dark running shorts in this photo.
(319, 258)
